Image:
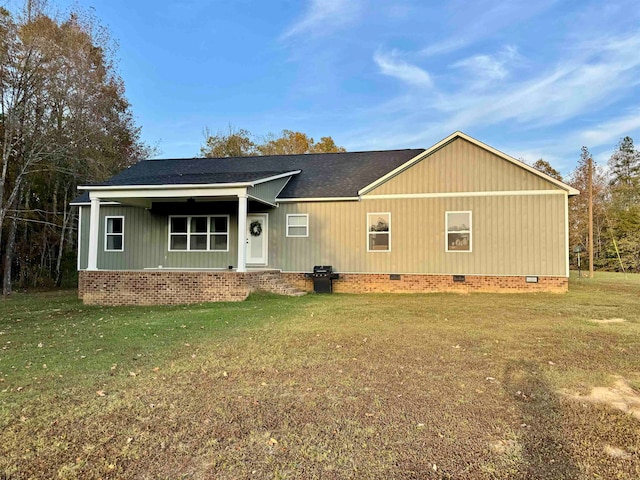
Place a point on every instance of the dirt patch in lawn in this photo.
(616, 452)
(619, 396)
(608, 320)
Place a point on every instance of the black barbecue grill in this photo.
(322, 276)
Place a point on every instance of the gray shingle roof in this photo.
(322, 174)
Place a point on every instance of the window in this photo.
(378, 232)
(297, 225)
(199, 233)
(114, 234)
(458, 227)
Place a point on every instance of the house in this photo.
(459, 216)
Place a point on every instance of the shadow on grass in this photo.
(545, 453)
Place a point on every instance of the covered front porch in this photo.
(221, 226)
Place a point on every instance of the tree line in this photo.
(242, 143)
(64, 121)
(616, 208)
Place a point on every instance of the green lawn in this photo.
(334, 386)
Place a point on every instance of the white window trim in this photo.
(369, 214)
(306, 225)
(188, 233)
(446, 231)
(106, 234)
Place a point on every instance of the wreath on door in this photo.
(255, 229)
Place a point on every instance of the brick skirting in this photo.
(382, 283)
(168, 287)
(118, 287)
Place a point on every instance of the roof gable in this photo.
(513, 174)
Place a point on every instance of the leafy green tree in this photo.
(624, 167)
(623, 252)
(625, 163)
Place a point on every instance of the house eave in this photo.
(318, 199)
(173, 186)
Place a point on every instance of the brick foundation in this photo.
(176, 287)
(382, 283)
(168, 287)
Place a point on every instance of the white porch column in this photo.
(94, 224)
(242, 233)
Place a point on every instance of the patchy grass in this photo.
(340, 386)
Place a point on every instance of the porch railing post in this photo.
(242, 233)
(94, 227)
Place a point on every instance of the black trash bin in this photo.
(323, 276)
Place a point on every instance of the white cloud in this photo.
(323, 16)
(579, 84)
(612, 130)
(489, 68)
(392, 66)
(597, 75)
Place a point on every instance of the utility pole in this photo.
(590, 175)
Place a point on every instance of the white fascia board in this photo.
(190, 185)
(171, 192)
(261, 201)
(275, 177)
(318, 199)
(103, 188)
(496, 193)
(570, 190)
(88, 204)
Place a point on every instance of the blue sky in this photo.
(531, 78)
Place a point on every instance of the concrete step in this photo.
(273, 282)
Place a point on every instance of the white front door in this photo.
(257, 238)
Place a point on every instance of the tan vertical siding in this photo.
(511, 235)
(461, 166)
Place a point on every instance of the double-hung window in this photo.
(114, 234)
(297, 225)
(458, 231)
(379, 232)
(199, 233)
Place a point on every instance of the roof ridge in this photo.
(282, 155)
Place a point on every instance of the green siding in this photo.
(269, 190)
(146, 243)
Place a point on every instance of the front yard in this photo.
(336, 386)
